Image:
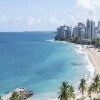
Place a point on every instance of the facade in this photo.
(90, 30)
(81, 30)
(98, 24)
(86, 32)
(64, 32)
(75, 31)
(98, 30)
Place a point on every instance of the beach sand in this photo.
(94, 56)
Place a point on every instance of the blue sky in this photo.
(45, 15)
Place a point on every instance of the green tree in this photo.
(15, 96)
(71, 92)
(64, 91)
(96, 84)
(77, 39)
(82, 87)
(91, 90)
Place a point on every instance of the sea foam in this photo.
(90, 68)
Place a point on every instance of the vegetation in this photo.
(77, 39)
(82, 87)
(95, 41)
(15, 96)
(67, 91)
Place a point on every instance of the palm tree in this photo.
(82, 87)
(71, 92)
(64, 93)
(90, 90)
(96, 84)
(15, 96)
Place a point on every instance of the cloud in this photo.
(53, 20)
(90, 8)
(57, 20)
(32, 21)
(18, 21)
(3, 20)
(86, 4)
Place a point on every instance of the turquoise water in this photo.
(35, 61)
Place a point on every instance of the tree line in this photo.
(67, 91)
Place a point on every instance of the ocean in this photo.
(35, 61)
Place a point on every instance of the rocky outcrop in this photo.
(23, 93)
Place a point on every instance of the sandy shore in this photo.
(94, 55)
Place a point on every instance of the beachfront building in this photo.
(75, 31)
(98, 30)
(90, 30)
(81, 31)
(63, 33)
(98, 24)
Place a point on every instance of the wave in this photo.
(45, 96)
(52, 40)
(90, 68)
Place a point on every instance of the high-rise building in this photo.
(75, 31)
(98, 24)
(90, 29)
(81, 30)
(98, 30)
(63, 33)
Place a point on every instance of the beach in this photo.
(94, 56)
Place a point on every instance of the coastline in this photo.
(94, 57)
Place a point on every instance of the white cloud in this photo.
(18, 21)
(91, 8)
(3, 20)
(86, 4)
(33, 21)
(56, 20)
(53, 20)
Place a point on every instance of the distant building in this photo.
(75, 31)
(64, 32)
(81, 30)
(98, 30)
(98, 24)
(85, 33)
(90, 29)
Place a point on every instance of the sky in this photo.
(46, 15)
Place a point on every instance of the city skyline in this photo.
(37, 15)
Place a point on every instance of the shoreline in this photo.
(94, 57)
